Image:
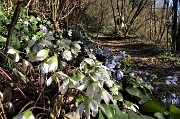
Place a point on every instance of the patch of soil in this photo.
(145, 58)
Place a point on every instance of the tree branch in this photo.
(12, 25)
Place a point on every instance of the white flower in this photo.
(64, 87)
(42, 54)
(38, 18)
(48, 22)
(106, 97)
(80, 109)
(67, 55)
(70, 33)
(50, 65)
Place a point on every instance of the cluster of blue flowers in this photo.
(112, 62)
(172, 99)
(104, 52)
(172, 79)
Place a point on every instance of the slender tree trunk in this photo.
(178, 35)
(150, 33)
(174, 26)
(115, 26)
(162, 26)
(154, 10)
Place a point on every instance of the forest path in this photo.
(146, 57)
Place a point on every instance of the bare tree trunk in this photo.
(162, 26)
(154, 10)
(115, 26)
(139, 9)
(174, 26)
(150, 24)
(178, 35)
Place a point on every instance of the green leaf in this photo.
(18, 25)
(137, 93)
(112, 111)
(118, 114)
(2, 39)
(153, 106)
(118, 97)
(159, 115)
(146, 117)
(20, 76)
(33, 20)
(101, 115)
(107, 110)
(174, 112)
(25, 115)
(133, 115)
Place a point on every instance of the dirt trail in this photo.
(145, 56)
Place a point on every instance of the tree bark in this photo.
(115, 26)
(178, 35)
(174, 26)
(12, 25)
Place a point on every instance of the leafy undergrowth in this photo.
(54, 76)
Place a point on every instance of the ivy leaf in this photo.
(42, 54)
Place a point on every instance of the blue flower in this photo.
(98, 51)
(48, 22)
(106, 51)
(119, 75)
(25, 23)
(116, 58)
(43, 29)
(172, 79)
(110, 66)
(172, 99)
